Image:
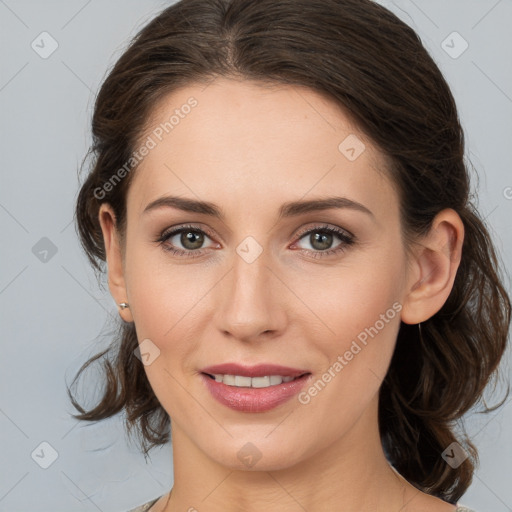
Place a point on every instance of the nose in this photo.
(249, 301)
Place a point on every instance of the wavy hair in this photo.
(375, 67)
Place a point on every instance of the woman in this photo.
(279, 193)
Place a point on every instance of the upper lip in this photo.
(259, 370)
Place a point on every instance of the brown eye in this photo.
(322, 238)
(191, 239)
(185, 241)
(321, 241)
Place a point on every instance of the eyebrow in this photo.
(289, 209)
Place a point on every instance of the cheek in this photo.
(359, 306)
(164, 301)
(158, 291)
(355, 297)
(355, 359)
(168, 306)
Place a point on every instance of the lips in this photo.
(260, 370)
(254, 399)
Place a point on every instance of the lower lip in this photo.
(254, 399)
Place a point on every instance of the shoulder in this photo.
(145, 507)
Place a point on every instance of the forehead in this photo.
(256, 142)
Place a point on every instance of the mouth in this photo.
(257, 393)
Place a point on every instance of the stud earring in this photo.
(124, 305)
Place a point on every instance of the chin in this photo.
(257, 452)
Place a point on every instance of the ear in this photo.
(116, 281)
(433, 268)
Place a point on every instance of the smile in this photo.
(253, 394)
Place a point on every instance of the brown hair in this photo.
(375, 67)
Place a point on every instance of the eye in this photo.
(321, 239)
(191, 238)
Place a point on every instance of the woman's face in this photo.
(263, 282)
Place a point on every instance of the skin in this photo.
(249, 149)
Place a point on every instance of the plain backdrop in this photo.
(53, 313)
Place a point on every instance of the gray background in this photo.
(54, 315)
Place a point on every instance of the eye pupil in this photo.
(325, 240)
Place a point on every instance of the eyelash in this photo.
(346, 238)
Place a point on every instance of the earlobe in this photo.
(434, 267)
(115, 269)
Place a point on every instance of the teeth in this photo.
(252, 382)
